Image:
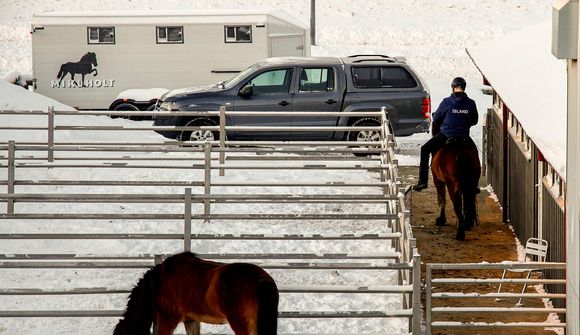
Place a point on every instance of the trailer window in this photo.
(238, 34)
(101, 35)
(169, 35)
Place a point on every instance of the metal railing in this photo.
(208, 157)
(467, 280)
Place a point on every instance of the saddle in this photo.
(457, 139)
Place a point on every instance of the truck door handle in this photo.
(283, 103)
(331, 101)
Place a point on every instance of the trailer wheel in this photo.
(128, 107)
(198, 134)
(364, 135)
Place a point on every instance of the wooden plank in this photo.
(452, 324)
(453, 295)
(517, 310)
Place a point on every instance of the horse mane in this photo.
(138, 315)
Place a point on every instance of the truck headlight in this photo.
(166, 106)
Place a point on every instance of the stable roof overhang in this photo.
(532, 83)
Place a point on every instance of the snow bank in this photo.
(532, 83)
(13, 97)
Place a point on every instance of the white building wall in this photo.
(573, 194)
(572, 198)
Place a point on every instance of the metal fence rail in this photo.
(226, 157)
(451, 296)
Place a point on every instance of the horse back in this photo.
(210, 291)
(456, 160)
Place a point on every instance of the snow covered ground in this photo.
(432, 35)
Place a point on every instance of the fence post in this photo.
(50, 152)
(383, 122)
(428, 299)
(416, 300)
(207, 182)
(157, 259)
(11, 176)
(222, 139)
(187, 221)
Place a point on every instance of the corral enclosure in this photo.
(88, 217)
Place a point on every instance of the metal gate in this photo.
(382, 262)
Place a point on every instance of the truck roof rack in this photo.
(378, 58)
(368, 55)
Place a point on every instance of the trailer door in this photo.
(285, 46)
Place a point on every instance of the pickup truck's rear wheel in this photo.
(199, 134)
(364, 135)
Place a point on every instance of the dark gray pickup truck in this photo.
(317, 84)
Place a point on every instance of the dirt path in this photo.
(491, 241)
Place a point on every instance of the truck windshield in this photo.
(240, 77)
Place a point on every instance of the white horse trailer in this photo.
(87, 59)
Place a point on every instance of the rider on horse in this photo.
(452, 120)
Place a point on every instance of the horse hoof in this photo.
(439, 222)
(460, 237)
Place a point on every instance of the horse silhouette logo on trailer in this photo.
(87, 65)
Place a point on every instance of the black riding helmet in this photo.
(459, 82)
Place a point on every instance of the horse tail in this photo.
(61, 72)
(139, 313)
(468, 168)
(464, 171)
(267, 307)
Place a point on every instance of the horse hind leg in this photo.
(441, 220)
(456, 198)
(244, 319)
(243, 326)
(192, 327)
(166, 325)
(469, 209)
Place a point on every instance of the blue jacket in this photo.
(455, 115)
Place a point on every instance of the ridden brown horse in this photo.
(185, 288)
(457, 166)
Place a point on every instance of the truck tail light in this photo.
(426, 107)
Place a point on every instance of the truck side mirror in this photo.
(246, 91)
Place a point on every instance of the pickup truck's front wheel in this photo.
(199, 134)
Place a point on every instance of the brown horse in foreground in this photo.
(457, 166)
(185, 288)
